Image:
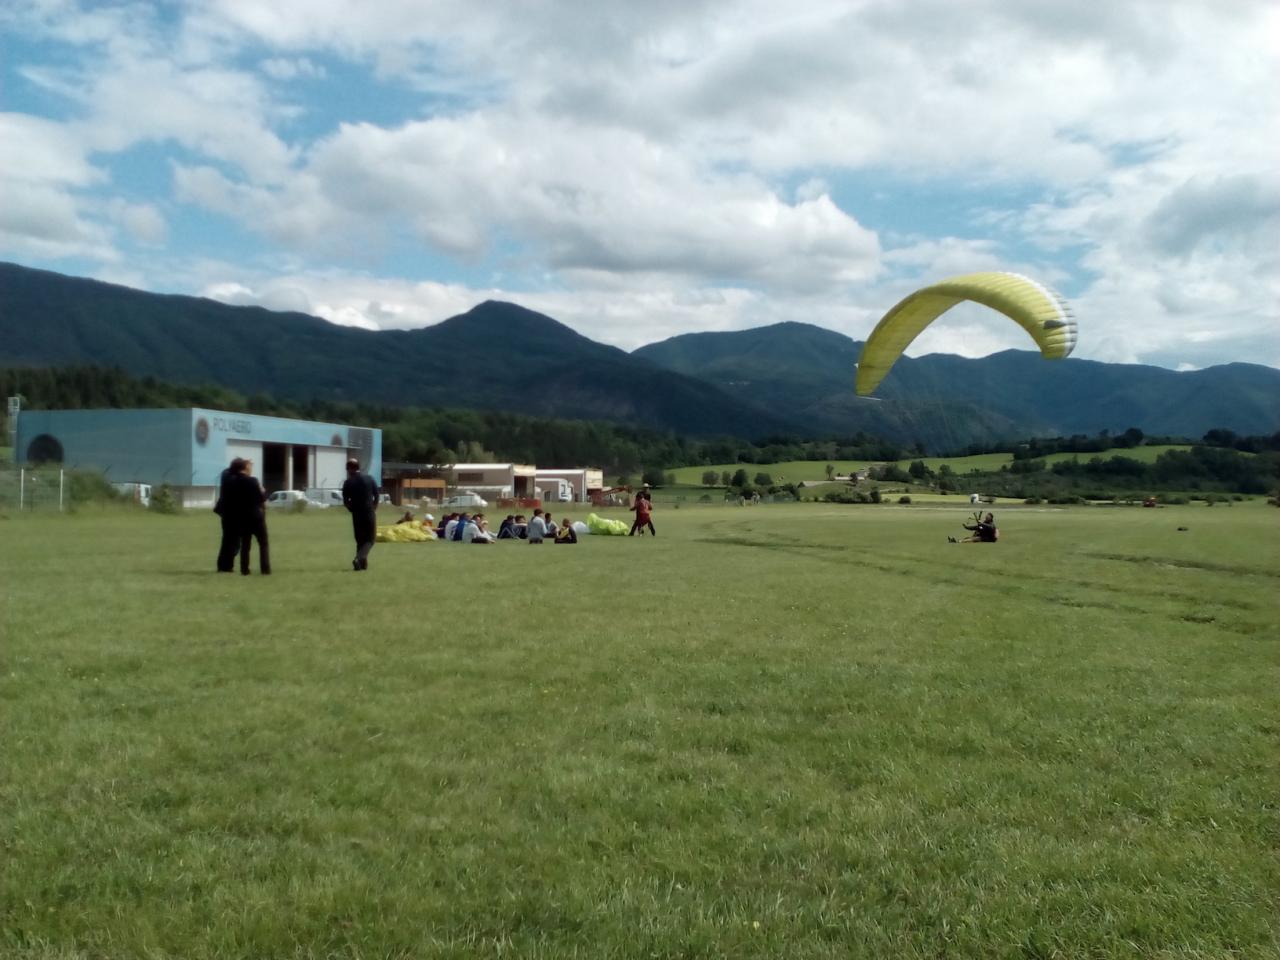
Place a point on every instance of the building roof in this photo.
(486, 466)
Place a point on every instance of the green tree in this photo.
(1132, 437)
(726, 479)
(740, 478)
(831, 471)
(710, 478)
(653, 477)
(763, 479)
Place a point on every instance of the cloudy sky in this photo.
(639, 170)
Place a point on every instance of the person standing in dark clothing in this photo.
(247, 502)
(230, 531)
(360, 497)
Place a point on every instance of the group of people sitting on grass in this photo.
(474, 528)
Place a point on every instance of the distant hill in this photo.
(785, 379)
(944, 399)
(496, 356)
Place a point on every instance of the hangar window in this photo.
(44, 449)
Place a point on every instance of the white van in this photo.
(327, 496)
(467, 499)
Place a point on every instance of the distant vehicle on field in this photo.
(285, 499)
(326, 496)
(465, 499)
(139, 493)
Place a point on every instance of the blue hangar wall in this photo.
(189, 447)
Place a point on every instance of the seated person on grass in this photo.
(478, 531)
(984, 531)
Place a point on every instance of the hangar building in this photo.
(188, 448)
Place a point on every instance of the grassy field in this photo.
(795, 471)
(792, 471)
(1141, 454)
(778, 731)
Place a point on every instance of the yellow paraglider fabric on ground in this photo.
(608, 528)
(1036, 308)
(404, 533)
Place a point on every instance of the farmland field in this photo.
(809, 471)
(779, 731)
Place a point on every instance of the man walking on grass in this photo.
(360, 497)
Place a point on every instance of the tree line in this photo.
(1222, 461)
(435, 435)
(1203, 467)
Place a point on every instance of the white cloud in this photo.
(143, 221)
(604, 202)
(291, 68)
(42, 221)
(638, 167)
(33, 150)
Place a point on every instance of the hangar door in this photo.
(247, 450)
(331, 467)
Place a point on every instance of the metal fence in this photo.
(33, 489)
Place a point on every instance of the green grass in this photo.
(1141, 454)
(791, 471)
(776, 731)
(809, 471)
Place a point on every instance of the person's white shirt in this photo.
(449, 528)
(472, 532)
(537, 529)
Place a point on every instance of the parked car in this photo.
(467, 499)
(289, 499)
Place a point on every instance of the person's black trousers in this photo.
(230, 544)
(365, 530)
(256, 528)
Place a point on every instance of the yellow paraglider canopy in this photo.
(1039, 310)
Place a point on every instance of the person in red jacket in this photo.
(643, 508)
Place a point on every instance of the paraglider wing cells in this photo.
(1040, 311)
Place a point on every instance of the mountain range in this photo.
(789, 378)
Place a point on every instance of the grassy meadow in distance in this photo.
(780, 731)
(809, 471)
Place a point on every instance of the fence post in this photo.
(60, 476)
(22, 487)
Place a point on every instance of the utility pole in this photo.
(14, 408)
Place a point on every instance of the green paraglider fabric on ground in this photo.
(607, 528)
(404, 533)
